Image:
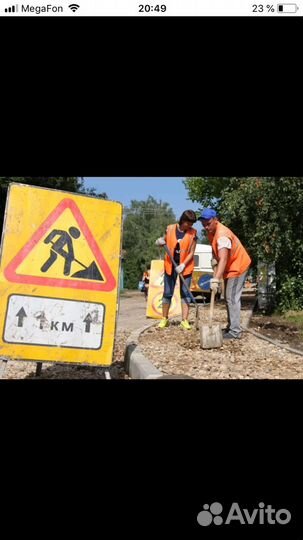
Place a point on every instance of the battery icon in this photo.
(287, 8)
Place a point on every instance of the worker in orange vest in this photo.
(181, 240)
(231, 263)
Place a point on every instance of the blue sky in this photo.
(124, 189)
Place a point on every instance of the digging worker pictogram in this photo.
(57, 248)
(64, 240)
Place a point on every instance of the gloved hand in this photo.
(213, 262)
(215, 285)
(160, 242)
(180, 268)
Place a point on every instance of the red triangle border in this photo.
(10, 270)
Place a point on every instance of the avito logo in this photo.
(211, 514)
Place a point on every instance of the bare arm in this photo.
(223, 257)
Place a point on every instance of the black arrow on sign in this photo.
(88, 321)
(21, 314)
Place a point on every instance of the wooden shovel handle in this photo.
(211, 311)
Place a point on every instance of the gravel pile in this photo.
(176, 351)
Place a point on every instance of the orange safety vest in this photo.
(238, 260)
(185, 247)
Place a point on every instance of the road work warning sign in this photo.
(59, 276)
(155, 293)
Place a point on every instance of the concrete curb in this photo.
(137, 366)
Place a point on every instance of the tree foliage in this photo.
(144, 222)
(207, 190)
(267, 215)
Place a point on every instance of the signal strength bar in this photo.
(12, 9)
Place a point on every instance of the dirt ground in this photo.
(176, 351)
(279, 329)
(131, 317)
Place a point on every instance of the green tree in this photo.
(65, 183)
(267, 215)
(207, 190)
(144, 222)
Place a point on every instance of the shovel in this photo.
(185, 285)
(211, 334)
(89, 272)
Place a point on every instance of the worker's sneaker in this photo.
(228, 335)
(185, 324)
(225, 330)
(164, 323)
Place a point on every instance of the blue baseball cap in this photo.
(208, 213)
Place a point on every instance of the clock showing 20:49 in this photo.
(148, 8)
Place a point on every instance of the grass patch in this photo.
(295, 318)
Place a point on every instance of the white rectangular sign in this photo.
(54, 322)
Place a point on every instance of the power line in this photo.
(150, 211)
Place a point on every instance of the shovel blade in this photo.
(91, 272)
(211, 336)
